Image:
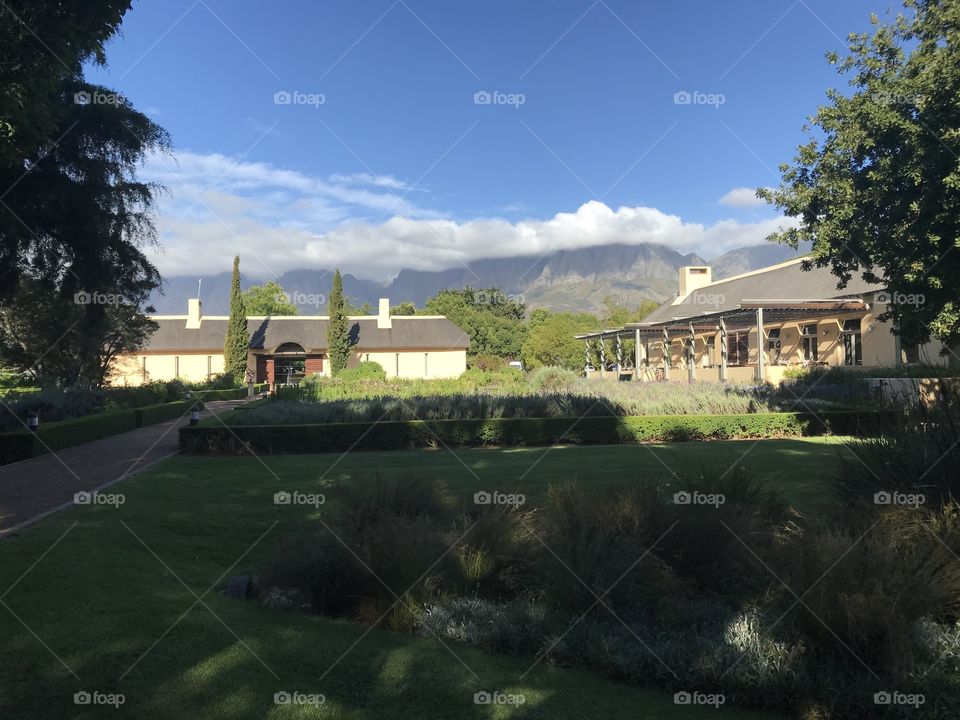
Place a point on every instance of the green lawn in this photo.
(100, 598)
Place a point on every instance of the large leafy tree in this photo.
(338, 332)
(237, 342)
(493, 320)
(268, 299)
(68, 341)
(65, 168)
(552, 342)
(876, 189)
(74, 219)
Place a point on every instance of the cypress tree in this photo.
(237, 342)
(338, 335)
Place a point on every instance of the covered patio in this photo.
(757, 341)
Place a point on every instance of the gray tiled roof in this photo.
(787, 281)
(436, 333)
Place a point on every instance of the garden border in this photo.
(512, 432)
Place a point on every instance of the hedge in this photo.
(62, 434)
(508, 432)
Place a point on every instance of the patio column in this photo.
(586, 358)
(619, 357)
(638, 352)
(603, 357)
(666, 354)
(692, 357)
(723, 350)
(761, 352)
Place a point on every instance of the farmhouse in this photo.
(755, 326)
(285, 349)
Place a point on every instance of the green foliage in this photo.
(552, 342)
(549, 379)
(267, 299)
(403, 309)
(240, 437)
(237, 342)
(338, 337)
(875, 188)
(492, 319)
(361, 372)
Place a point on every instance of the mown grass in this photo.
(97, 586)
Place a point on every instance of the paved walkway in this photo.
(32, 488)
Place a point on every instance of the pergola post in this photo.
(723, 350)
(666, 354)
(761, 351)
(692, 357)
(619, 356)
(638, 352)
(603, 357)
(586, 358)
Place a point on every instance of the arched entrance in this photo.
(289, 364)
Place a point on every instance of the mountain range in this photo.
(563, 280)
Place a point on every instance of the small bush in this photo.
(552, 379)
(367, 370)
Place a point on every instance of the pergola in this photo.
(749, 314)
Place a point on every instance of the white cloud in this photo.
(742, 197)
(279, 220)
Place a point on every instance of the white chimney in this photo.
(693, 278)
(383, 316)
(193, 313)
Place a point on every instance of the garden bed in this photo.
(512, 432)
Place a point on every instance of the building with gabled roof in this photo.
(755, 326)
(284, 349)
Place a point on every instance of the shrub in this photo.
(598, 546)
(367, 370)
(51, 405)
(512, 628)
(552, 379)
(916, 453)
(863, 592)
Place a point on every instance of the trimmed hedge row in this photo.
(508, 432)
(17, 446)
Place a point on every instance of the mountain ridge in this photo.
(576, 279)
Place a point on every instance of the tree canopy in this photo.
(494, 320)
(268, 299)
(876, 189)
(74, 220)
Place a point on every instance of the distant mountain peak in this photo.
(576, 279)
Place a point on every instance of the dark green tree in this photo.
(876, 190)
(43, 129)
(492, 319)
(338, 332)
(237, 343)
(69, 341)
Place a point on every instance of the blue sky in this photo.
(384, 159)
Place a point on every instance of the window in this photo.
(144, 368)
(738, 348)
(176, 366)
(426, 372)
(852, 343)
(774, 346)
(209, 366)
(811, 349)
